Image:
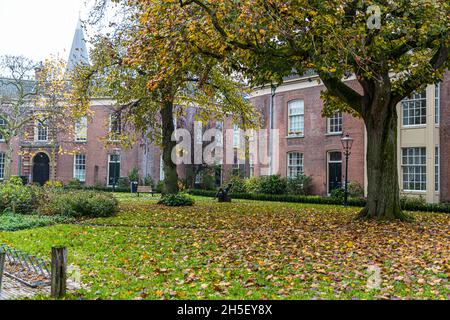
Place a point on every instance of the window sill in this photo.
(414, 191)
(414, 126)
(295, 137)
(333, 134)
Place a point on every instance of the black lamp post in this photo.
(347, 144)
(116, 154)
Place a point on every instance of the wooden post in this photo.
(59, 272)
(2, 267)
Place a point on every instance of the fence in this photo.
(30, 270)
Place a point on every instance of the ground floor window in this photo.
(414, 169)
(2, 166)
(436, 168)
(79, 170)
(295, 164)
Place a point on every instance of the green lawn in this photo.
(248, 250)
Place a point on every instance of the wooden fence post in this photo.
(59, 272)
(2, 267)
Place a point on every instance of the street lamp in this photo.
(115, 154)
(347, 144)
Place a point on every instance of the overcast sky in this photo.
(39, 28)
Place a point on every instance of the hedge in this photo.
(354, 202)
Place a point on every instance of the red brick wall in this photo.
(445, 138)
(316, 143)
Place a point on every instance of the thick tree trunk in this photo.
(383, 200)
(170, 168)
(8, 161)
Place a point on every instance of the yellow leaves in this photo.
(349, 244)
(196, 245)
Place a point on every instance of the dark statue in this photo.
(224, 194)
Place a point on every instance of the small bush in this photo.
(133, 175)
(16, 197)
(75, 183)
(177, 200)
(412, 202)
(251, 185)
(78, 204)
(123, 182)
(300, 185)
(160, 186)
(272, 185)
(238, 184)
(208, 182)
(355, 190)
(338, 194)
(148, 181)
(52, 184)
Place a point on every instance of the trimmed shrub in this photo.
(177, 200)
(355, 202)
(208, 182)
(78, 204)
(160, 187)
(272, 185)
(300, 185)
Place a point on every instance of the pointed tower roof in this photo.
(78, 52)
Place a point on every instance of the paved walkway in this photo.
(14, 290)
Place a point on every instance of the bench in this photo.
(145, 189)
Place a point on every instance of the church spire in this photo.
(78, 52)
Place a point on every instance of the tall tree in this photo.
(31, 95)
(392, 48)
(153, 76)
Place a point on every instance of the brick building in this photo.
(310, 144)
(85, 154)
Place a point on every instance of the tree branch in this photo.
(339, 89)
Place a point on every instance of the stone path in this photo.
(14, 290)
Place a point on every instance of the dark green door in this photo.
(41, 169)
(113, 170)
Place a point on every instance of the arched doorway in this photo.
(41, 168)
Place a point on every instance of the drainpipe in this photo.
(271, 124)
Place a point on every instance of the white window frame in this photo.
(41, 125)
(437, 169)
(236, 136)
(337, 116)
(119, 131)
(299, 132)
(2, 166)
(2, 124)
(418, 101)
(292, 166)
(161, 169)
(81, 128)
(415, 168)
(437, 104)
(77, 167)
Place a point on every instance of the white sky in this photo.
(39, 28)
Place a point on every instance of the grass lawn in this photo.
(249, 250)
